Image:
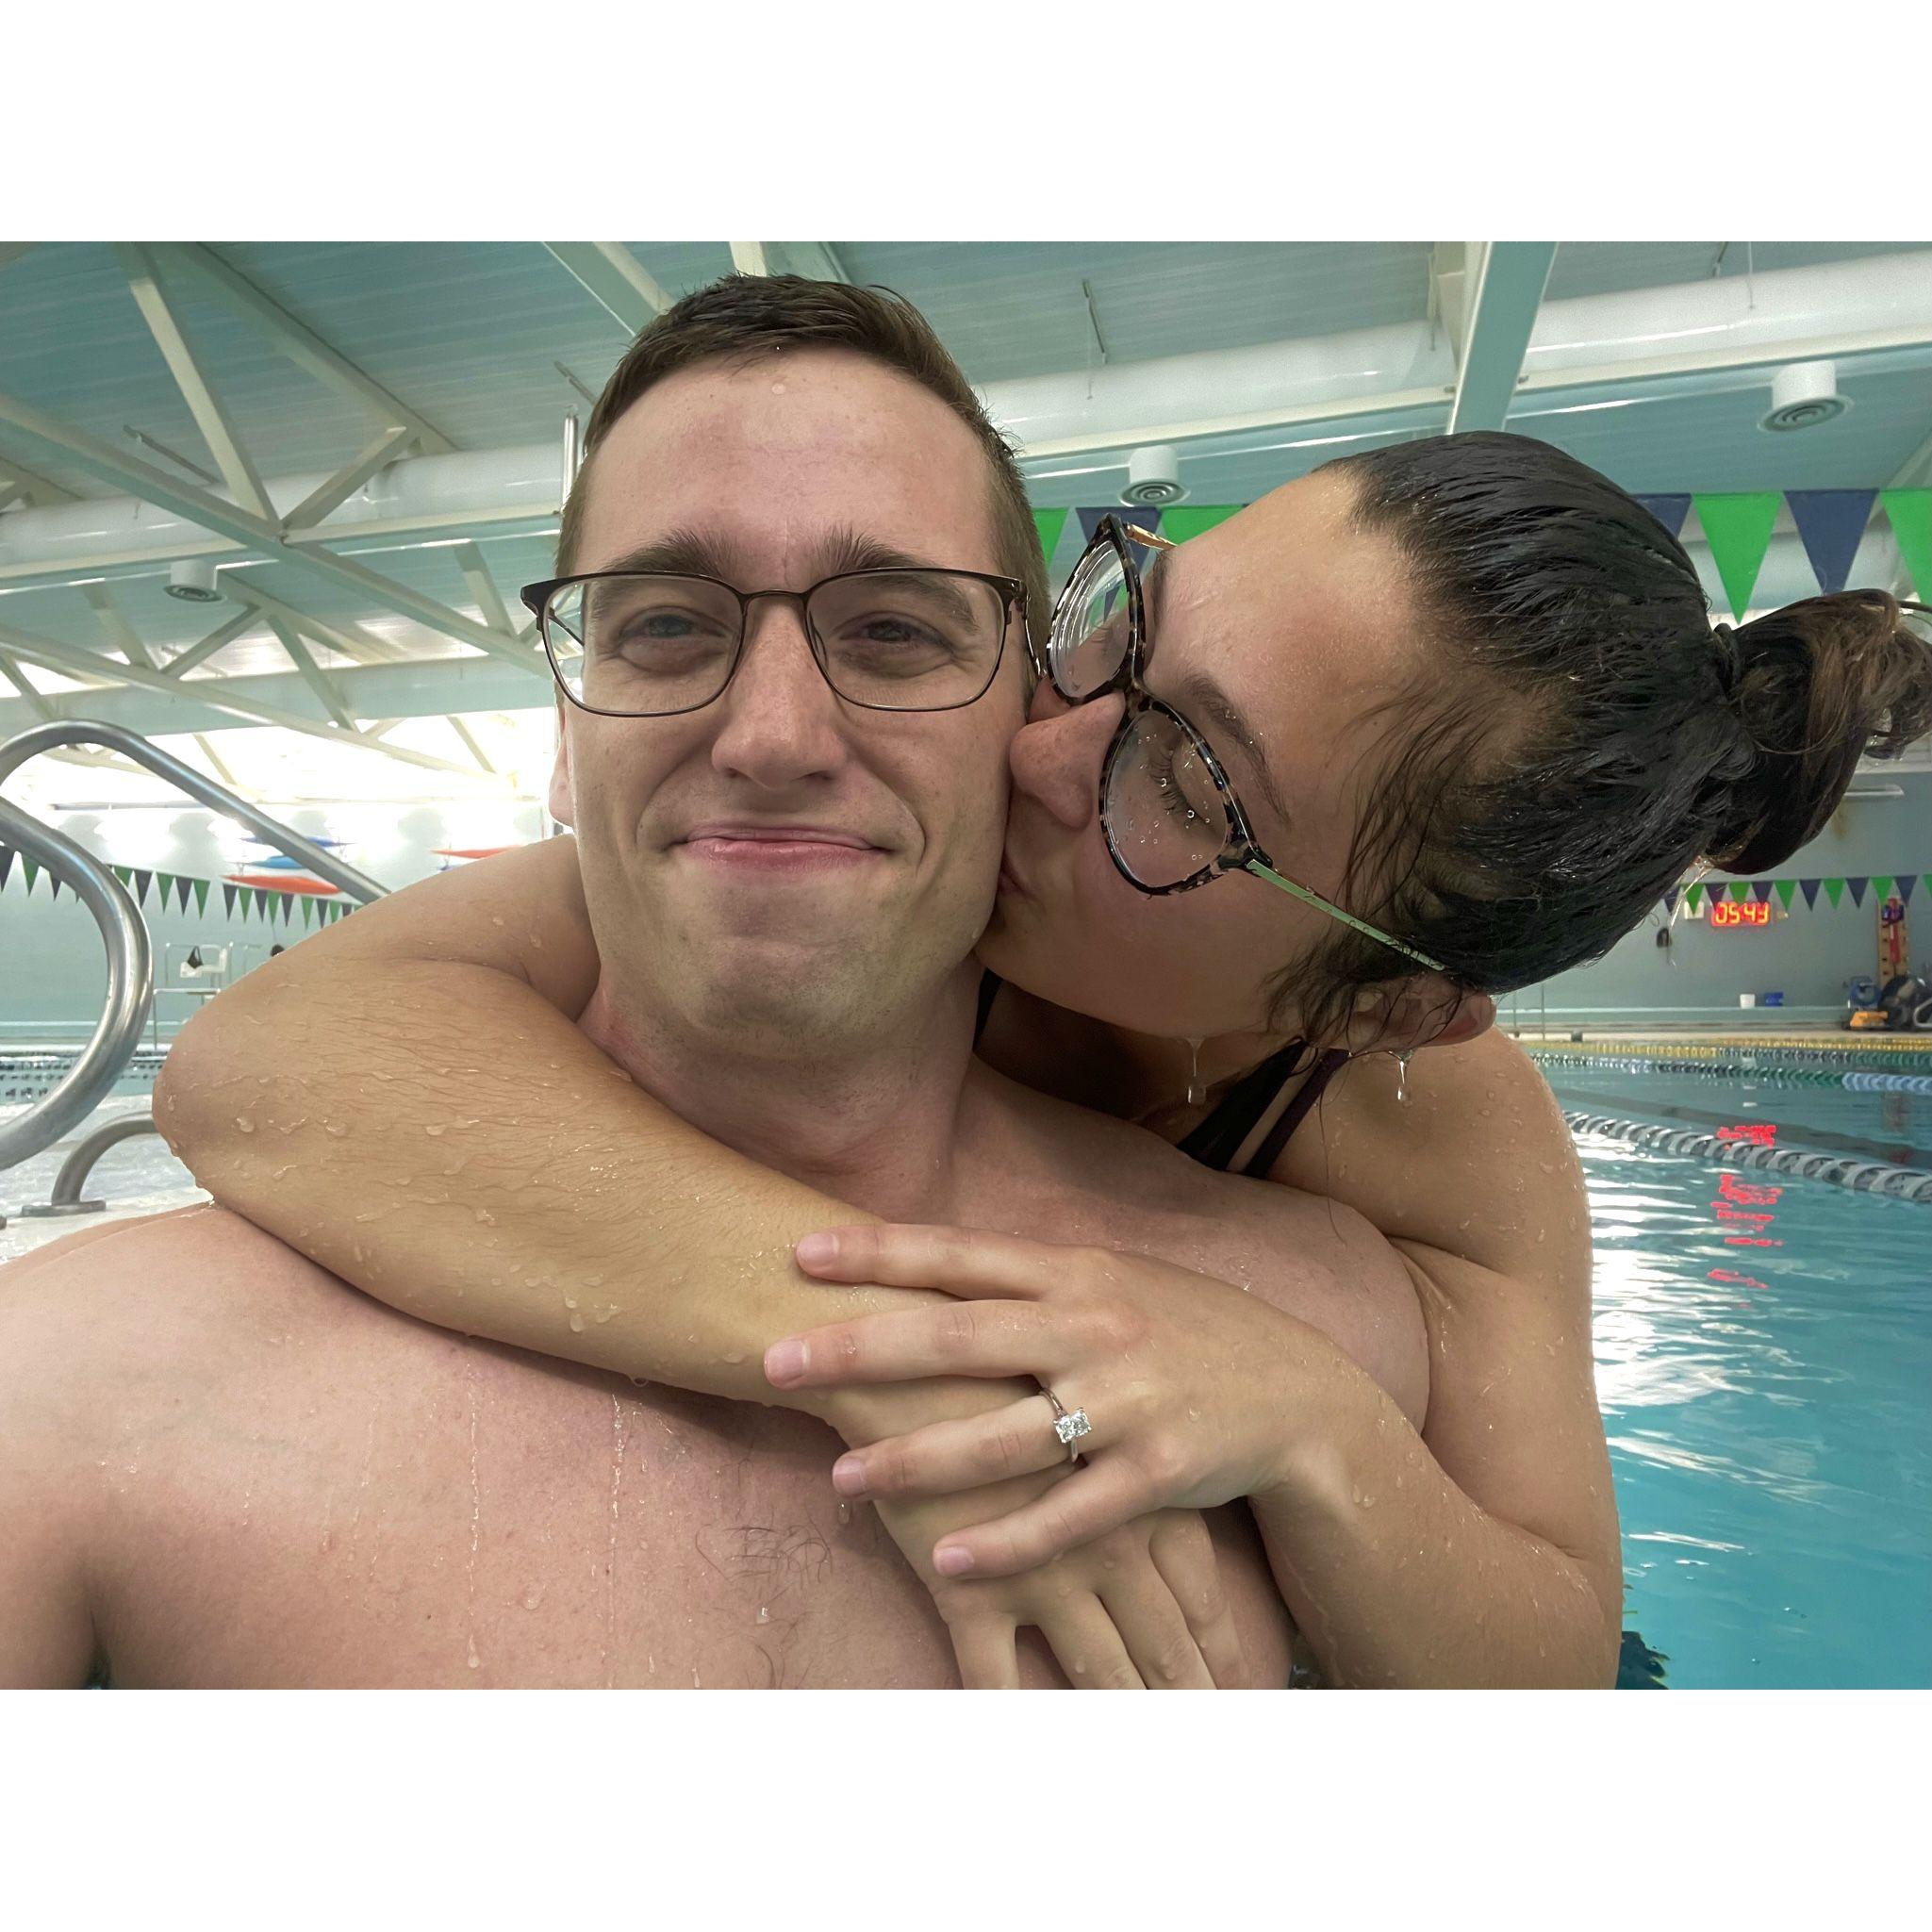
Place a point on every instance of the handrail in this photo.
(130, 987)
(217, 798)
(130, 955)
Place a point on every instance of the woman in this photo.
(1455, 710)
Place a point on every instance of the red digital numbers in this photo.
(1729, 911)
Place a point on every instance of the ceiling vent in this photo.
(1803, 394)
(1153, 478)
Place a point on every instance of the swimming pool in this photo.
(1764, 1360)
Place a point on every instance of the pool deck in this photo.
(1667, 1038)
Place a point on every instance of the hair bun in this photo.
(1815, 686)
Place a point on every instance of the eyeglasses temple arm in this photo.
(1335, 912)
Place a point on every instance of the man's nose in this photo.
(1057, 754)
(780, 719)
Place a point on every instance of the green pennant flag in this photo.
(123, 873)
(1910, 511)
(165, 882)
(1881, 888)
(1737, 524)
(1049, 523)
(1693, 894)
(1785, 889)
(1184, 522)
(1741, 891)
(1834, 891)
(308, 910)
(30, 869)
(201, 894)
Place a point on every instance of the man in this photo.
(222, 1469)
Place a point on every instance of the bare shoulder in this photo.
(166, 1288)
(1474, 1161)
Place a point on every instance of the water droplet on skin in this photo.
(334, 1127)
(533, 1597)
(244, 1124)
(486, 1217)
(764, 1615)
(593, 1281)
(576, 1325)
(474, 1661)
(845, 1512)
(436, 1129)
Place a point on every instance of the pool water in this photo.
(1764, 1361)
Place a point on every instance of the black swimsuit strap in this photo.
(1216, 1141)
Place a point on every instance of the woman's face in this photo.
(1277, 635)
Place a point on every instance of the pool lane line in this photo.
(1854, 1082)
(1865, 1177)
(1817, 1139)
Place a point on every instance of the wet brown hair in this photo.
(743, 317)
(1577, 735)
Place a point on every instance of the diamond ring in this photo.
(1068, 1429)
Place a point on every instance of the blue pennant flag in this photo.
(1810, 889)
(1831, 522)
(1670, 898)
(6, 863)
(1149, 520)
(1857, 888)
(1906, 882)
(1669, 511)
(1760, 891)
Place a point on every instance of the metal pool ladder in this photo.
(130, 956)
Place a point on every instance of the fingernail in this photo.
(849, 1477)
(815, 1250)
(951, 1561)
(784, 1362)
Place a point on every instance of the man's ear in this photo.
(560, 807)
(1403, 1016)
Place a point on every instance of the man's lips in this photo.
(778, 848)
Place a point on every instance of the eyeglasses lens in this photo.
(1163, 809)
(1090, 630)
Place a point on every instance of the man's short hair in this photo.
(744, 315)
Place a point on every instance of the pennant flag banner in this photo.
(1910, 511)
(1737, 525)
(1830, 524)
(1883, 885)
(1669, 511)
(6, 864)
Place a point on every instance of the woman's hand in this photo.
(1193, 1391)
(1141, 1608)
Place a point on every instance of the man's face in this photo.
(780, 867)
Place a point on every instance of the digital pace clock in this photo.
(1729, 911)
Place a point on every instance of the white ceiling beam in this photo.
(376, 455)
(298, 342)
(121, 634)
(476, 751)
(184, 662)
(749, 258)
(614, 277)
(817, 260)
(312, 674)
(352, 640)
(156, 487)
(482, 586)
(17, 678)
(39, 489)
(1503, 292)
(238, 470)
(222, 771)
(211, 693)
